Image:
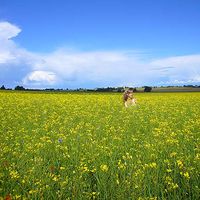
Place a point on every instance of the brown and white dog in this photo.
(128, 98)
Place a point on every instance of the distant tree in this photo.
(2, 87)
(188, 85)
(120, 89)
(49, 89)
(134, 90)
(19, 88)
(147, 89)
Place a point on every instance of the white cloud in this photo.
(194, 80)
(179, 69)
(8, 31)
(7, 46)
(99, 68)
(15, 62)
(10, 53)
(93, 68)
(40, 78)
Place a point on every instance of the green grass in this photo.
(88, 146)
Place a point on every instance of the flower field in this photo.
(89, 146)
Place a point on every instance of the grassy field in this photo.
(88, 146)
(172, 89)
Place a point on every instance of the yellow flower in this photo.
(186, 175)
(14, 174)
(104, 168)
(174, 186)
(62, 168)
(17, 196)
(173, 154)
(153, 165)
(180, 164)
(121, 165)
(55, 178)
(85, 169)
(93, 170)
(169, 170)
(32, 191)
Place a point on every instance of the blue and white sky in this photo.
(99, 43)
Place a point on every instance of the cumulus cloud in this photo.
(179, 69)
(106, 68)
(67, 68)
(15, 62)
(40, 78)
(8, 31)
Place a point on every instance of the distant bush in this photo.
(2, 87)
(19, 88)
(147, 89)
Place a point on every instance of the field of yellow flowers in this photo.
(89, 146)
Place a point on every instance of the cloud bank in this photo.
(65, 68)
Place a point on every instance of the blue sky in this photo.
(90, 43)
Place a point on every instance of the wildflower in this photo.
(14, 174)
(169, 170)
(121, 165)
(60, 140)
(62, 168)
(153, 165)
(55, 178)
(17, 196)
(173, 154)
(186, 175)
(94, 195)
(93, 170)
(180, 164)
(85, 168)
(8, 197)
(168, 180)
(174, 186)
(104, 168)
(153, 198)
(31, 191)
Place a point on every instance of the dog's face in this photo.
(126, 96)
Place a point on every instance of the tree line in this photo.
(101, 89)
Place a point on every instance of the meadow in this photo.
(89, 146)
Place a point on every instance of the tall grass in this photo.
(88, 146)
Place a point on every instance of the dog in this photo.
(129, 99)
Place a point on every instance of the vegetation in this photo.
(2, 87)
(147, 89)
(88, 146)
(184, 88)
(19, 88)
